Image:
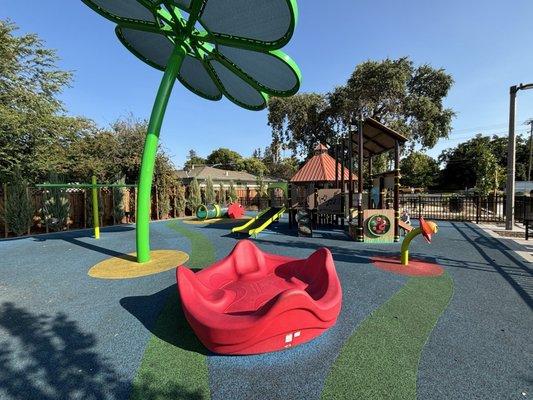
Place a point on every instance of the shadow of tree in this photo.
(172, 326)
(48, 357)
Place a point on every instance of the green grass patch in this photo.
(174, 365)
(380, 360)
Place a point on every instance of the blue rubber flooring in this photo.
(64, 335)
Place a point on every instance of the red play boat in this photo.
(253, 302)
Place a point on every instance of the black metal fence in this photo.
(464, 207)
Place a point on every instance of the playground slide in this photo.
(257, 224)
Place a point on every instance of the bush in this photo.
(181, 202)
(56, 208)
(18, 210)
(118, 202)
(195, 197)
(209, 192)
(232, 193)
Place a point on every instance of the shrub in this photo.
(195, 197)
(56, 208)
(209, 191)
(18, 210)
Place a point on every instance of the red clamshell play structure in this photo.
(252, 302)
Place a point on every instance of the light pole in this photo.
(511, 156)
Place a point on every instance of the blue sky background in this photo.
(486, 45)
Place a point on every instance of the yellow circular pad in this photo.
(126, 267)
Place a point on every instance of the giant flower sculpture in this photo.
(214, 48)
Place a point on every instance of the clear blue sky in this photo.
(487, 45)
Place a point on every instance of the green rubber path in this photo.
(380, 360)
(174, 365)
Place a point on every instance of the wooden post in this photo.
(156, 204)
(396, 191)
(96, 216)
(360, 187)
(6, 227)
(175, 193)
(84, 208)
(29, 199)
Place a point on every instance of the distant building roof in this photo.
(321, 168)
(203, 172)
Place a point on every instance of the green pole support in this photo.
(96, 222)
(405, 245)
(150, 152)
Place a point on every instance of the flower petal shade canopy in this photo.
(214, 48)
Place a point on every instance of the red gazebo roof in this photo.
(321, 168)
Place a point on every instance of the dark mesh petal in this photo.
(194, 74)
(264, 20)
(266, 69)
(237, 88)
(154, 47)
(130, 9)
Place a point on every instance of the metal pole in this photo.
(530, 122)
(96, 222)
(397, 191)
(350, 177)
(336, 165)
(343, 193)
(360, 219)
(149, 154)
(511, 161)
(371, 184)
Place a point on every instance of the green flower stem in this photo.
(405, 245)
(150, 152)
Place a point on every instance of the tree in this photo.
(180, 199)
(32, 126)
(56, 207)
(255, 166)
(226, 159)
(221, 194)
(19, 210)
(419, 170)
(118, 202)
(299, 122)
(471, 164)
(195, 197)
(209, 191)
(262, 186)
(409, 99)
(232, 193)
(193, 159)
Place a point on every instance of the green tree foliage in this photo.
(56, 207)
(472, 164)
(255, 166)
(32, 125)
(209, 191)
(419, 170)
(118, 202)
(221, 194)
(19, 209)
(194, 159)
(181, 202)
(232, 193)
(395, 92)
(226, 159)
(195, 197)
(262, 186)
